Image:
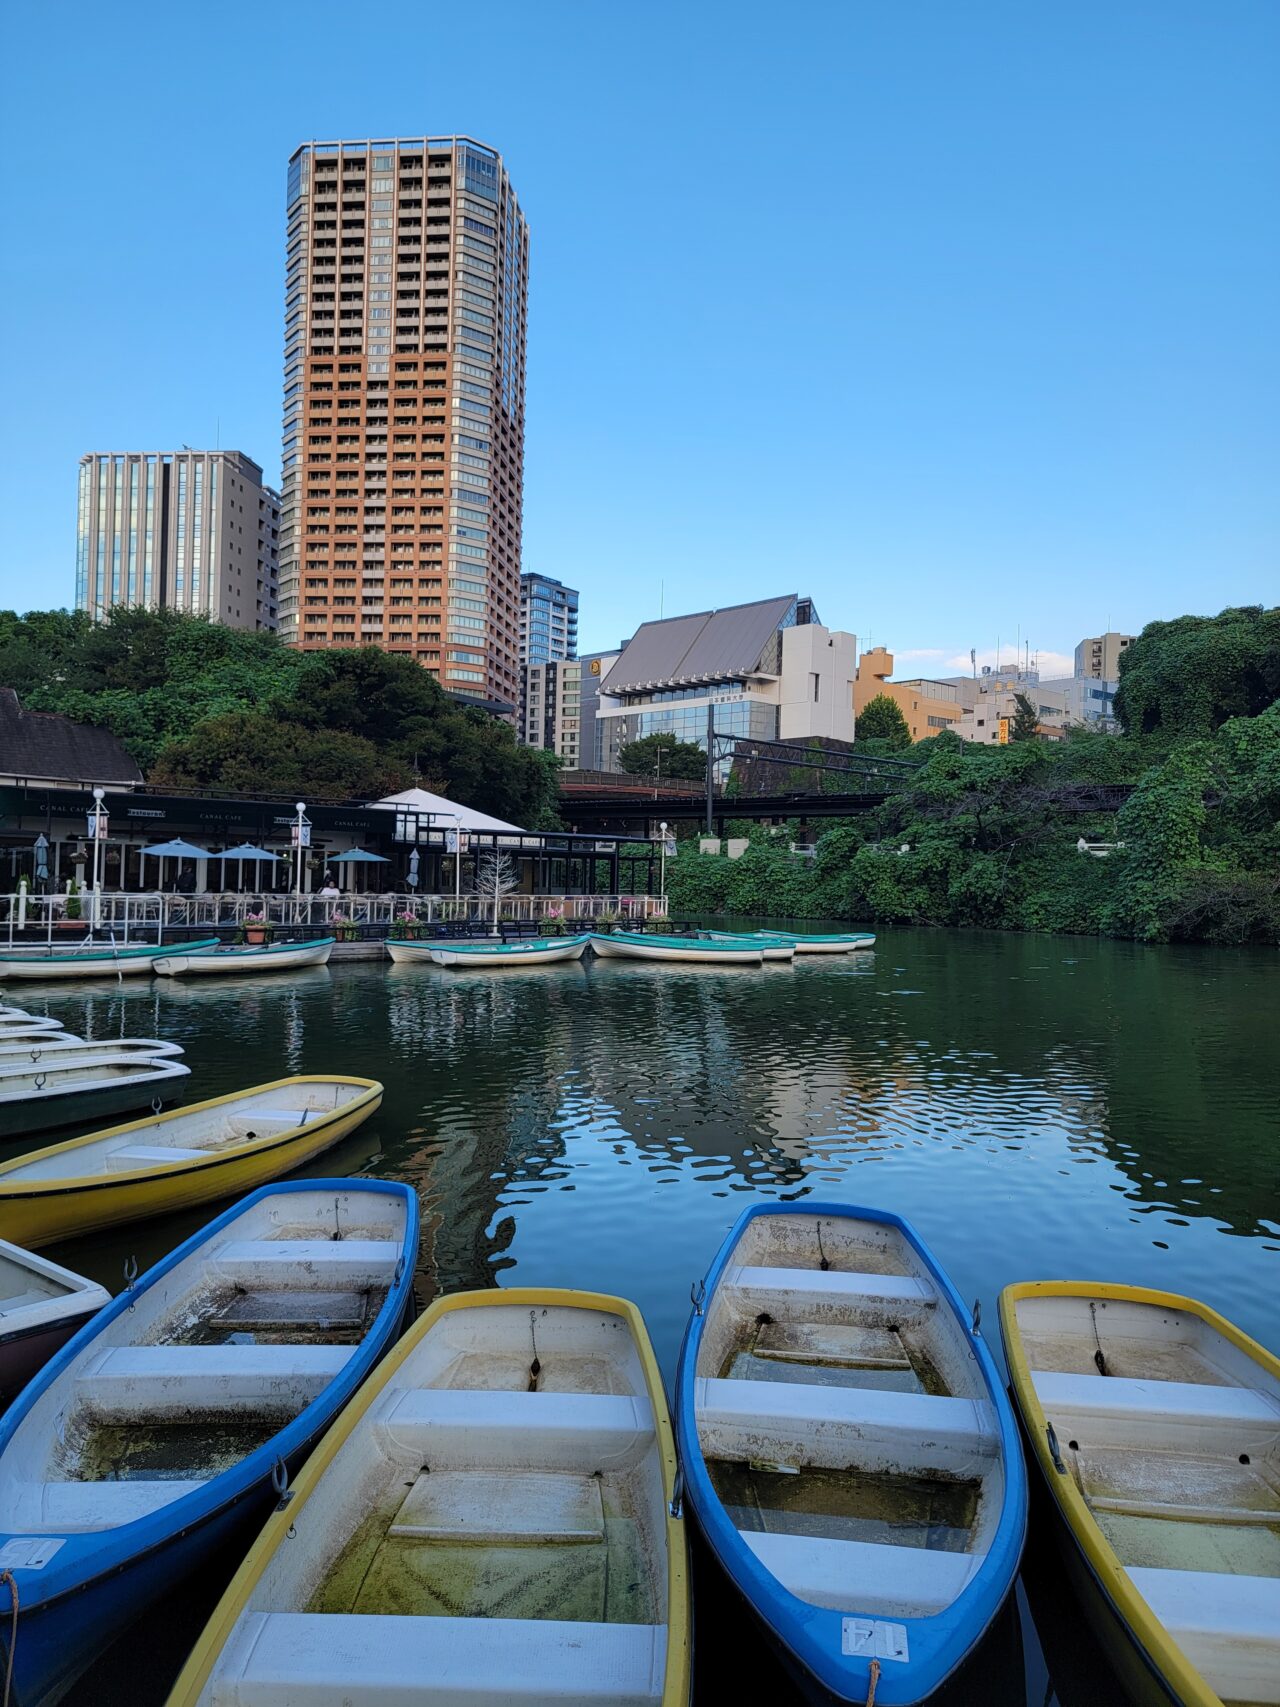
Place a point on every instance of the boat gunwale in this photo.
(16, 1192)
(656, 939)
(39, 956)
(535, 945)
(225, 952)
(202, 1661)
(801, 1626)
(195, 1506)
(1157, 1648)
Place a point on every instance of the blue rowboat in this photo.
(849, 1450)
(161, 1429)
(93, 960)
(639, 945)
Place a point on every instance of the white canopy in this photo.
(446, 814)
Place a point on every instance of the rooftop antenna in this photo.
(973, 660)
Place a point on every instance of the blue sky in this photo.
(960, 318)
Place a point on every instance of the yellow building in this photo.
(928, 706)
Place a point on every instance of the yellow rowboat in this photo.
(494, 1518)
(1156, 1426)
(220, 1148)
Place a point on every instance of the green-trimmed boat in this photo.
(93, 960)
(836, 942)
(636, 945)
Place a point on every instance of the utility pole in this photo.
(711, 768)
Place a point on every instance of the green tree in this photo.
(1026, 720)
(881, 719)
(1183, 679)
(254, 752)
(665, 755)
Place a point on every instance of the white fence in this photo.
(147, 917)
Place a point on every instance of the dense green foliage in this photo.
(989, 836)
(1026, 722)
(203, 706)
(882, 719)
(663, 755)
(1188, 677)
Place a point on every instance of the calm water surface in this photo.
(1038, 1106)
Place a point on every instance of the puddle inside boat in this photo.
(169, 1451)
(849, 1505)
(461, 1545)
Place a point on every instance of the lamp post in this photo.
(662, 881)
(98, 825)
(301, 837)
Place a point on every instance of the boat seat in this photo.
(503, 1508)
(1227, 1626)
(843, 1427)
(816, 1293)
(862, 1576)
(300, 1263)
(131, 1156)
(1155, 1413)
(299, 1659)
(267, 1124)
(73, 1508)
(495, 1430)
(155, 1380)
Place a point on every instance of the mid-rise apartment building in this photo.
(1099, 655)
(405, 310)
(192, 531)
(551, 710)
(548, 620)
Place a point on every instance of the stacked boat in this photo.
(89, 960)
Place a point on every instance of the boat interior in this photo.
(1172, 1435)
(188, 1134)
(207, 1365)
(25, 1280)
(844, 1422)
(494, 1529)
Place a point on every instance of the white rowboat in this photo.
(95, 960)
(50, 1093)
(279, 957)
(779, 949)
(41, 1306)
(21, 1055)
(540, 951)
(627, 945)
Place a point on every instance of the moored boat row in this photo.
(202, 958)
(708, 948)
(497, 1513)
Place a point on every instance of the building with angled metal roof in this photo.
(768, 670)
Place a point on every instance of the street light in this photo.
(662, 881)
(301, 836)
(98, 824)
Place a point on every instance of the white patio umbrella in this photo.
(413, 869)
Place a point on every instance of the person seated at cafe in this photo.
(330, 891)
(185, 882)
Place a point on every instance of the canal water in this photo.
(1037, 1106)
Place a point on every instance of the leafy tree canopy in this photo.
(1026, 719)
(1183, 679)
(663, 754)
(881, 719)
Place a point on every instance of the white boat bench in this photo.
(156, 1381)
(334, 1264)
(816, 1293)
(130, 1157)
(1158, 1414)
(77, 1508)
(844, 1427)
(1227, 1626)
(863, 1577)
(494, 1430)
(300, 1659)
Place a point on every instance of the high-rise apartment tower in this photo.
(188, 530)
(405, 308)
(548, 620)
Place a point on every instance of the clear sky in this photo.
(962, 318)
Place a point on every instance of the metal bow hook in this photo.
(977, 1317)
(676, 1507)
(36, 1054)
(130, 1272)
(280, 1482)
(697, 1293)
(1052, 1438)
(156, 1105)
(40, 1080)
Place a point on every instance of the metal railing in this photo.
(149, 916)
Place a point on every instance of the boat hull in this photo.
(235, 961)
(94, 963)
(24, 1351)
(322, 1475)
(38, 1212)
(60, 1631)
(76, 1103)
(693, 952)
(1146, 1657)
(20, 1055)
(768, 950)
(812, 1629)
(459, 956)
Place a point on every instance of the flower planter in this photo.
(255, 935)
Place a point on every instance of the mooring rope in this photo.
(875, 1679)
(8, 1577)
